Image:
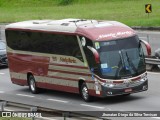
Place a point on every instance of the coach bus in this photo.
(89, 57)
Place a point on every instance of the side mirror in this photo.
(95, 53)
(157, 53)
(148, 47)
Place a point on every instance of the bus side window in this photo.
(11, 37)
(24, 41)
(18, 40)
(74, 48)
(44, 43)
(62, 45)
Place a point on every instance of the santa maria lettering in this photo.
(115, 35)
(67, 60)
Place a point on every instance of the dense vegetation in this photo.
(131, 12)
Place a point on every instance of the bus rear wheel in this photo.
(85, 93)
(32, 85)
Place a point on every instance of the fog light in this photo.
(145, 87)
(110, 93)
(143, 77)
(142, 80)
(108, 85)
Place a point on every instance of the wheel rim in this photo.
(32, 85)
(85, 93)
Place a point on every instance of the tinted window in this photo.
(44, 43)
(121, 58)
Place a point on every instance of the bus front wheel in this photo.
(32, 85)
(84, 93)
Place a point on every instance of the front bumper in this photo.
(125, 88)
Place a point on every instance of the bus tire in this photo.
(32, 85)
(85, 93)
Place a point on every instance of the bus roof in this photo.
(92, 29)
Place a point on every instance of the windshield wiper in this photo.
(121, 62)
(131, 63)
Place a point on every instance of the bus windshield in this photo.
(120, 59)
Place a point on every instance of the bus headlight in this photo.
(143, 77)
(109, 85)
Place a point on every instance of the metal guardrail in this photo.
(153, 61)
(48, 111)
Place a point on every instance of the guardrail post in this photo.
(2, 104)
(148, 38)
(0, 33)
(33, 109)
(65, 114)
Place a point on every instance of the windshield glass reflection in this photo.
(120, 58)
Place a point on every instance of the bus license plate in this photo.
(128, 90)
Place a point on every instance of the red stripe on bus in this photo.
(24, 82)
(75, 73)
(58, 87)
(137, 78)
(73, 66)
(55, 87)
(19, 81)
(68, 72)
(87, 81)
(66, 88)
(62, 78)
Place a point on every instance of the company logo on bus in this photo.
(115, 35)
(67, 60)
(63, 59)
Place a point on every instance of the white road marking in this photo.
(2, 73)
(1, 91)
(143, 37)
(153, 73)
(45, 118)
(92, 106)
(56, 100)
(25, 95)
(8, 109)
(156, 117)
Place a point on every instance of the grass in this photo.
(130, 12)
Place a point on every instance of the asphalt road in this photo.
(2, 33)
(144, 101)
